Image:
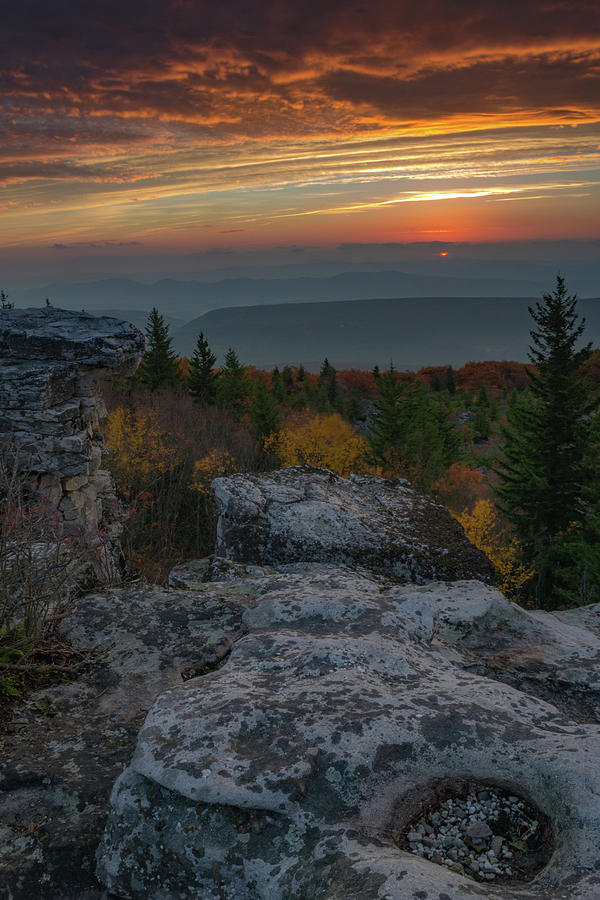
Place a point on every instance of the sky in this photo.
(165, 129)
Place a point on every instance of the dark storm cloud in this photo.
(167, 118)
(219, 64)
(565, 85)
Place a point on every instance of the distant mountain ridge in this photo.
(188, 299)
(411, 332)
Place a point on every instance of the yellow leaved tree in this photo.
(138, 448)
(214, 464)
(483, 529)
(323, 441)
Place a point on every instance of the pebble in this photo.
(445, 835)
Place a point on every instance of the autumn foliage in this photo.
(484, 529)
(439, 427)
(324, 441)
(163, 451)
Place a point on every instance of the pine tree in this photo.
(233, 386)
(482, 396)
(481, 424)
(264, 414)
(277, 385)
(5, 303)
(328, 398)
(411, 433)
(436, 384)
(202, 379)
(386, 423)
(287, 377)
(159, 364)
(450, 380)
(548, 490)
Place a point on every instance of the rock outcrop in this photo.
(50, 409)
(293, 770)
(66, 744)
(301, 514)
(298, 716)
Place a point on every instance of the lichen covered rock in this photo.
(67, 743)
(301, 514)
(287, 772)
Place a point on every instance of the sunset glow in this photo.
(175, 124)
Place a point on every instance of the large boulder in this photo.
(302, 514)
(290, 771)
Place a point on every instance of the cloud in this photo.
(128, 118)
(93, 245)
(260, 69)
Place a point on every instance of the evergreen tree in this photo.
(328, 385)
(233, 386)
(386, 422)
(277, 386)
(436, 384)
(5, 303)
(264, 414)
(355, 406)
(202, 380)
(450, 380)
(482, 396)
(287, 377)
(548, 490)
(411, 433)
(159, 364)
(481, 424)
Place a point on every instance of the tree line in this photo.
(536, 449)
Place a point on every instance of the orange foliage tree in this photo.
(460, 487)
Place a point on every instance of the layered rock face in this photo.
(291, 770)
(50, 409)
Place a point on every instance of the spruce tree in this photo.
(481, 424)
(450, 380)
(233, 386)
(264, 414)
(202, 379)
(328, 394)
(411, 433)
(387, 425)
(287, 377)
(277, 385)
(548, 490)
(159, 364)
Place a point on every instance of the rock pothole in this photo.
(485, 832)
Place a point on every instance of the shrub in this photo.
(164, 451)
(41, 573)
